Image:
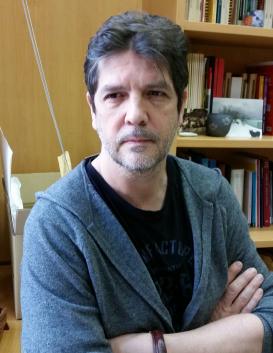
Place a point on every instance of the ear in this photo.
(181, 113)
(93, 115)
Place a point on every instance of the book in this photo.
(208, 86)
(225, 12)
(247, 195)
(194, 10)
(232, 12)
(251, 85)
(266, 68)
(259, 94)
(253, 199)
(237, 184)
(210, 71)
(206, 11)
(266, 193)
(220, 77)
(240, 6)
(219, 11)
(260, 4)
(271, 191)
(215, 76)
(196, 86)
(258, 193)
(236, 87)
(265, 102)
(251, 163)
(212, 7)
(227, 84)
(203, 10)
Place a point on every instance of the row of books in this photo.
(256, 13)
(251, 178)
(208, 79)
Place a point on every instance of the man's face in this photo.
(136, 111)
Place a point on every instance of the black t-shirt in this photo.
(163, 239)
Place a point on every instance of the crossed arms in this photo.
(227, 331)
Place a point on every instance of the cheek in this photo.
(107, 126)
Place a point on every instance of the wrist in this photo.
(158, 342)
(168, 338)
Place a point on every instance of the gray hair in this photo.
(151, 36)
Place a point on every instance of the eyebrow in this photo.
(162, 84)
(112, 88)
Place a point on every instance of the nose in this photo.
(136, 112)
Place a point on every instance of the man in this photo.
(134, 241)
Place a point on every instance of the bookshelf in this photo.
(228, 34)
(263, 238)
(240, 46)
(215, 146)
(224, 142)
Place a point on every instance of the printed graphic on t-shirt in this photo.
(170, 263)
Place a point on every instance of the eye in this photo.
(155, 93)
(114, 96)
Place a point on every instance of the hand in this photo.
(242, 293)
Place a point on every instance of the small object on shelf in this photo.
(195, 121)
(254, 18)
(187, 134)
(255, 133)
(218, 124)
(247, 115)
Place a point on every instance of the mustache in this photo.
(138, 132)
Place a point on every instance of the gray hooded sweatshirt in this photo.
(83, 282)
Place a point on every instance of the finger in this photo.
(251, 305)
(247, 293)
(238, 284)
(233, 270)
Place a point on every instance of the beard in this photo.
(141, 158)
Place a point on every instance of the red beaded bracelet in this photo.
(158, 342)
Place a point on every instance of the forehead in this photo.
(130, 68)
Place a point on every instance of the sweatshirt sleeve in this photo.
(241, 247)
(59, 308)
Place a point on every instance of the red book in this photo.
(220, 77)
(260, 5)
(266, 69)
(258, 193)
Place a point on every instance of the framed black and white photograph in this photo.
(247, 115)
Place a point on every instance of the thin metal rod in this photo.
(42, 75)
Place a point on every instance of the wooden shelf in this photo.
(228, 34)
(240, 46)
(224, 142)
(262, 237)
